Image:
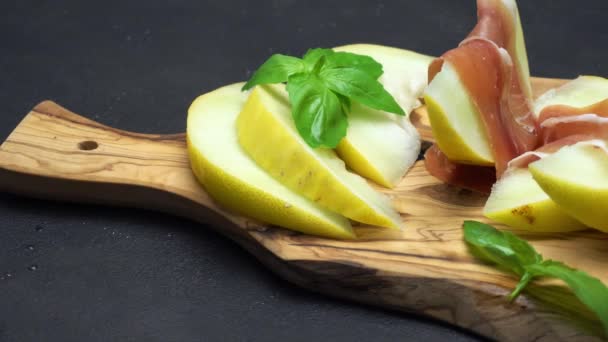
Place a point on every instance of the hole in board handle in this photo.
(88, 145)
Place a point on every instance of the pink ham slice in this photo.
(498, 24)
(487, 64)
(563, 125)
(471, 177)
(529, 157)
(560, 121)
(480, 178)
(486, 74)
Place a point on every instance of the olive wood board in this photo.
(424, 269)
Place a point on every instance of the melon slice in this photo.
(237, 182)
(266, 131)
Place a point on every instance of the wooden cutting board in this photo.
(425, 269)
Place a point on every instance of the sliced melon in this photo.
(383, 146)
(405, 72)
(521, 54)
(517, 201)
(581, 92)
(576, 178)
(267, 132)
(377, 147)
(455, 120)
(237, 182)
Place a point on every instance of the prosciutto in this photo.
(471, 177)
(529, 157)
(498, 21)
(486, 72)
(496, 77)
(559, 121)
(492, 65)
(562, 126)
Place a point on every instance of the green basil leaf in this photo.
(523, 282)
(589, 290)
(319, 64)
(345, 101)
(276, 69)
(364, 63)
(361, 87)
(317, 111)
(526, 254)
(502, 248)
(322, 86)
(312, 56)
(515, 254)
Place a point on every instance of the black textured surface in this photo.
(84, 273)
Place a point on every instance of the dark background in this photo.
(87, 273)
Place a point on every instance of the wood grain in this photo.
(425, 269)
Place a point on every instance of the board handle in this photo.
(54, 153)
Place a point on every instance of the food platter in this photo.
(426, 268)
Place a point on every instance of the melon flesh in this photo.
(237, 182)
(382, 146)
(518, 201)
(576, 178)
(267, 132)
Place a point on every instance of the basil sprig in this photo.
(518, 256)
(321, 86)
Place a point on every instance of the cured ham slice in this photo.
(492, 65)
(578, 107)
(583, 91)
(481, 178)
(499, 22)
(559, 121)
(531, 156)
(486, 71)
(471, 177)
(560, 110)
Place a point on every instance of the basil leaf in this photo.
(317, 111)
(361, 87)
(523, 283)
(275, 70)
(502, 248)
(312, 56)
(322, 86)
(589, 290)
(319, 64)
(526, 254)
(364, 63)
(346, 103)
(515, 254)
